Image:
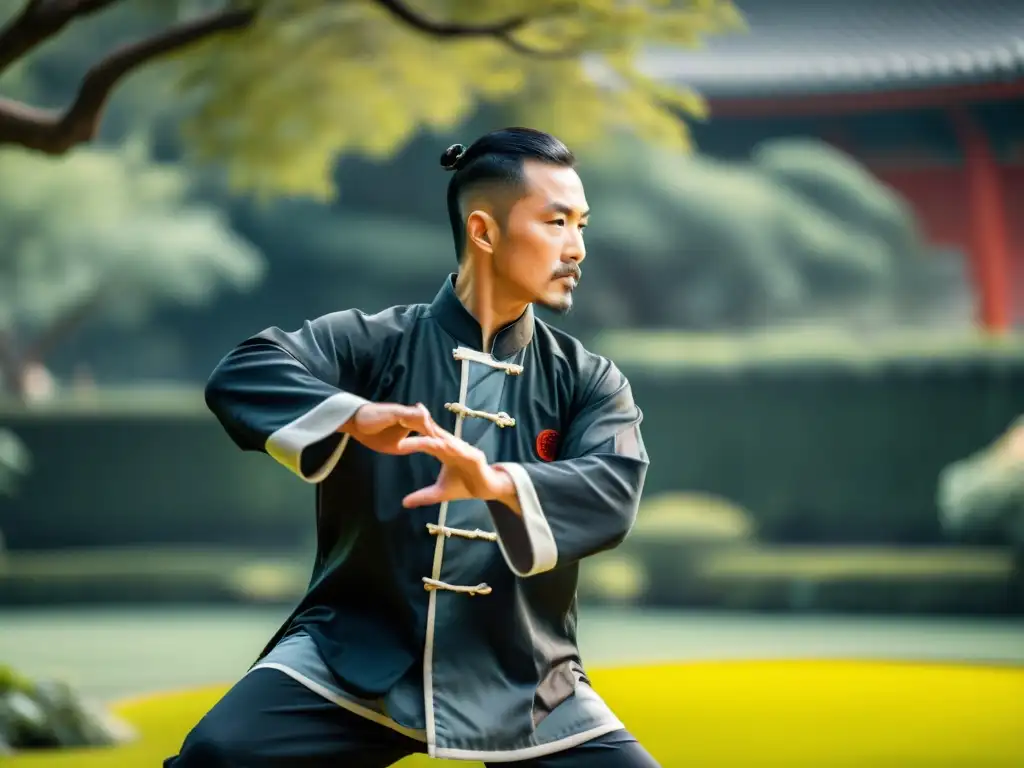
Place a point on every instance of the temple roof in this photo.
(806, 47)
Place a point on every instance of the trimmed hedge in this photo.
(832, 440)
(823, 438)
(120, 471)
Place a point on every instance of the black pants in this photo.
(268, 720)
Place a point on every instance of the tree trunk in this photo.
(15, 359)
(12, 366)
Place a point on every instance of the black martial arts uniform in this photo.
(449, 629)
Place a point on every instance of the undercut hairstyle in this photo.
(497, 158)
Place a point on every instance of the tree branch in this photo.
(38, 21)
(570, 52)
(55, 133)
(451, 29)
(503, 31)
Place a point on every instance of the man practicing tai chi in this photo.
(467, 457)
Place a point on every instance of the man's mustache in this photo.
(569, 270)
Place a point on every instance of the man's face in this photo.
(538, 255)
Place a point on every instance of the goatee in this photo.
(560, 307)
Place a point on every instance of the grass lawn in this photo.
(791, 713)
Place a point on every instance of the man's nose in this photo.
(576, 250)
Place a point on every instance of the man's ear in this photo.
(482, 231)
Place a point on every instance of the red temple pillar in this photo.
(986, 203)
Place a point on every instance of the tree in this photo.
(696, 243)
(51, 76)
(278, 89)
(104, 233)
(796, 232)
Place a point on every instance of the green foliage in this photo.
(12, 681)
(692, 518)
(311, 79)
(49, 715)
(981, 496)
(356, 240)
(677, 241)
(837, 184)
(853, 579)
(714, 244)
(14, 464)
(112, 227)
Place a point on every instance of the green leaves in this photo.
(711, 244)
(48, 714)
(276, 103)
(312, 79)
(110, 227)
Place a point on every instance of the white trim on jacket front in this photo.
(435, 575)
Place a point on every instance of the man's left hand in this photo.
(465, 472)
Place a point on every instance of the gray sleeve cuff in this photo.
(288, 443)
(527, 542)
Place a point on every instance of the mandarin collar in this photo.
(452, 315)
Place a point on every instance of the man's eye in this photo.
(558, 222)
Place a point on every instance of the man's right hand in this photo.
(381, 426)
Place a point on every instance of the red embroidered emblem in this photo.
(547, 445)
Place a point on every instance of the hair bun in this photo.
(451, 156)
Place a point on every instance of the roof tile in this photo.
(824, 46)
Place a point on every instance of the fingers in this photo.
(433, 446)
(424, 497)
(416, 418)
(444, 448)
